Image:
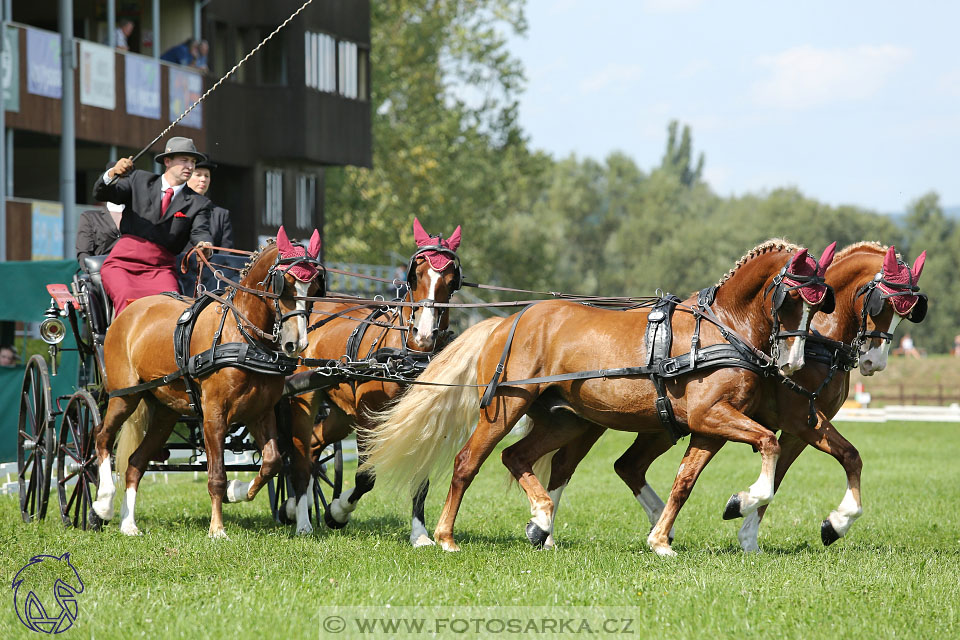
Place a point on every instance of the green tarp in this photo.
(24, 298)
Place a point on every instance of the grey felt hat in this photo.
(178, 146)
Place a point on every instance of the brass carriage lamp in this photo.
(53, 331)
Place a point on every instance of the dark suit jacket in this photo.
(140, 192)
(96, 234)
(220, 228)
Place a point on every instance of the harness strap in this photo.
(492, 387)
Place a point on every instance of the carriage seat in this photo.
(92, 265)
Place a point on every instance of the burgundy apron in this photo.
(137, 268)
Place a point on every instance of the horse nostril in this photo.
(289, 347)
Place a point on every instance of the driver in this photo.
(161, 214)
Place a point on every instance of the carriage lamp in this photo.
(52, 329)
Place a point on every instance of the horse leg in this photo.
(164, 419)
(214, 435)
(418, 530)
(549, 433)
(699, 452)
(118, 410)
(495, 422)
(562, 466)
(790, 448)
(341, 508)
(632, 468)
(826, 438)
(264, 434)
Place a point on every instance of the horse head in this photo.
(798, 292)
(433, 275)
(291, 273)
(892, 295)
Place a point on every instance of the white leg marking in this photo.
(844, 515)
(418, 535)
(761, 491)
(749, 531)
(341, 508)
(653, 505)
(303, 510)
(127, 524)
(237, 490)
(448, 547)
(290, 507)
(103, 505)
(550, 543)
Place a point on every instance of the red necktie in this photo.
(167, 197)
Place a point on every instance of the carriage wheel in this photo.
(327, 476)
(35, 440)
(77, 477)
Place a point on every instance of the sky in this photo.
(851, 102)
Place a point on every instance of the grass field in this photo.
(896, 574)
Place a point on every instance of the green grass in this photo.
(896, 574)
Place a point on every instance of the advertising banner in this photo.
(185, 89)
(142, 86)
(10, 68)
(47, 237)
(44, 75)
(97, 76)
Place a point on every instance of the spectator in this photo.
(220, 227)
(956, 345)
(908, 348)
(124, 29)
(8, 356)
(200, 58)
(184, 53)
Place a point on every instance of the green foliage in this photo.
(448, 149)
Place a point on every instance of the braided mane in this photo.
(255, 256)
(879, 246)
(774, 244)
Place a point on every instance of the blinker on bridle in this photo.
(874, 298)
(274, 283)
(780, 290)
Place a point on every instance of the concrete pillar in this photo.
(68, 162)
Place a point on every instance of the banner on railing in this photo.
(44, 73)
(10, 69)
(142, 79)
(185, 89)
(47, 223)
(97, 76)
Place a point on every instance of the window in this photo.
(306, 201)
(363, 57)
(273, 198)
(320, 55)
(347, 69)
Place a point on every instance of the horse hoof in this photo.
(332, 522)
(94, 522)
(828, 535)
(536, 535)
(732, 511)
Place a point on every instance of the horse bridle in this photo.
(411, 278)
(780, 289)
(275, 283)
(873, 300)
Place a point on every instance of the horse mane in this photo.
(869, 244)
(773, 244)
(254, 257)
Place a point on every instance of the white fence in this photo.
(901, 413)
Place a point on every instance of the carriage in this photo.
(55, 439)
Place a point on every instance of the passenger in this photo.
(161, 215)
(220, 228)
(8, 356)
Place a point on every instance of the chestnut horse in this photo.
(554, 341)
(869, 282)
(433, 275)
(139, 349)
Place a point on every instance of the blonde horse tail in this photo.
(132, 432)
(428, 425)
